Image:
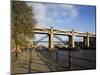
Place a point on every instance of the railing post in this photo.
(30, 60)
(56, 56)
(69, 66)
(71, 40)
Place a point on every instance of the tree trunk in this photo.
(24, 42)
(16, 52)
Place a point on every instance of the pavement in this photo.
(33, 62)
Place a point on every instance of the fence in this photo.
(67, 60)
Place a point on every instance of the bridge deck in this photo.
(62, 32)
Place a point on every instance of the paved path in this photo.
(37, 64)
(22, 65)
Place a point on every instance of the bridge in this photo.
(71, 34)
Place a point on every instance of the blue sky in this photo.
(65, 16)
(77, 17)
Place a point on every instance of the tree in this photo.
(23, 23)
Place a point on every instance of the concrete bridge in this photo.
(71, 34)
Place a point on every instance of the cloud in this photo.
(73, 12)
(67, 6)
(68, 11)
(40, 11)
(58, 10)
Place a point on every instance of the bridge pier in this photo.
(51, 39)
(92, 41)
(87, 40)
(71, 40)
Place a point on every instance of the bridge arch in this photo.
(46, 36)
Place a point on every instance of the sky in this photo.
(65, 17)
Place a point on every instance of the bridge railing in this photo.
(66, 60)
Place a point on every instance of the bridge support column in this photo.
(86, 41)
(71, 40)
(92, 41)
(51, 39)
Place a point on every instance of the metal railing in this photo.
(65, 61)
